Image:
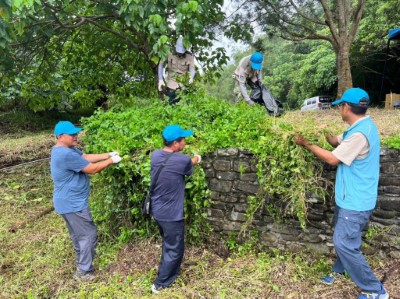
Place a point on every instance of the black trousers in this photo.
(171, 94)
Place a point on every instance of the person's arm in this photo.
(245, 95)
(332, 140)
(192, 70)
(160, 71)
(93, 158)
(350, 149)
(160, 76)
(96, 167)
(93, 168)
(319, 152)
(259, 75)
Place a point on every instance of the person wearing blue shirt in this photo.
(356, 156)
(167, 201)
(70, 169)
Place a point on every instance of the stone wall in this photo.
(232, 178)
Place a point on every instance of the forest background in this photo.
(73, 54)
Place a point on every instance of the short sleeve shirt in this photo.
(168, 194)
(354, 147)
(71, 185)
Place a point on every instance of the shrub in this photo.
(285, 170)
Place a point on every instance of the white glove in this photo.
(160, 84)
(190, 80)
(233, 76)
(112, 154)
(116, 159)
(250, 102)
(198, 158)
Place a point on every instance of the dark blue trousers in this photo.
(347, 240)
(173, 247)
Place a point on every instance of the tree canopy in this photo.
(67, 50)
(64, 54)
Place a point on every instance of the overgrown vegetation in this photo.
(285, 170)
(36, 254)
(37, 258)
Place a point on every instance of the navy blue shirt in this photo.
(168, 194)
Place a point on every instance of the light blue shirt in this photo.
(356, 186)
(71, 185)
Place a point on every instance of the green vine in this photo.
(287, 173)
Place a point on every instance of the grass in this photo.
(36, 258)
(387, 121)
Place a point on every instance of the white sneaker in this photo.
(156, 290)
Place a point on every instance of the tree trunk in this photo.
(345, 80)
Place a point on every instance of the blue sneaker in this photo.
(329, 279)
(383, 294)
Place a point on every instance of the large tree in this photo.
(335, 21)
(73, 43)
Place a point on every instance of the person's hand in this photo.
(115, 159)
(233, 76)
(300, 140)
(198, 158)
(160, 84)
(190, 80)
(112, 154)
(250, 102)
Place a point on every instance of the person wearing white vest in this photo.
(356, 154)
(179, 63)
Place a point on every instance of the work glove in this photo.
(112, 154)
(190, 80)
(199, 158)
(160, 85)
(116, 159)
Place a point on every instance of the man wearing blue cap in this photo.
(167, 201)
(356, 155)
(179, 63)
(248, 72)
(70, 169)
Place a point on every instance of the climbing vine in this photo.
(287, 173)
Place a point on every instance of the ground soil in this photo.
(137, 257)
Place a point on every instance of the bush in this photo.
(285, 170)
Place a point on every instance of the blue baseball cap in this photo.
(173, 132)
(256, 60)
(66, 127)
(353, 96)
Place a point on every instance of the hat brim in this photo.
(75, 131)
(182, 134)
(256, 66)
(338, 102)
(71, 131)
(187, 133)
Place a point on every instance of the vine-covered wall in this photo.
(232, 179)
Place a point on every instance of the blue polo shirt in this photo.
(71, 185)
